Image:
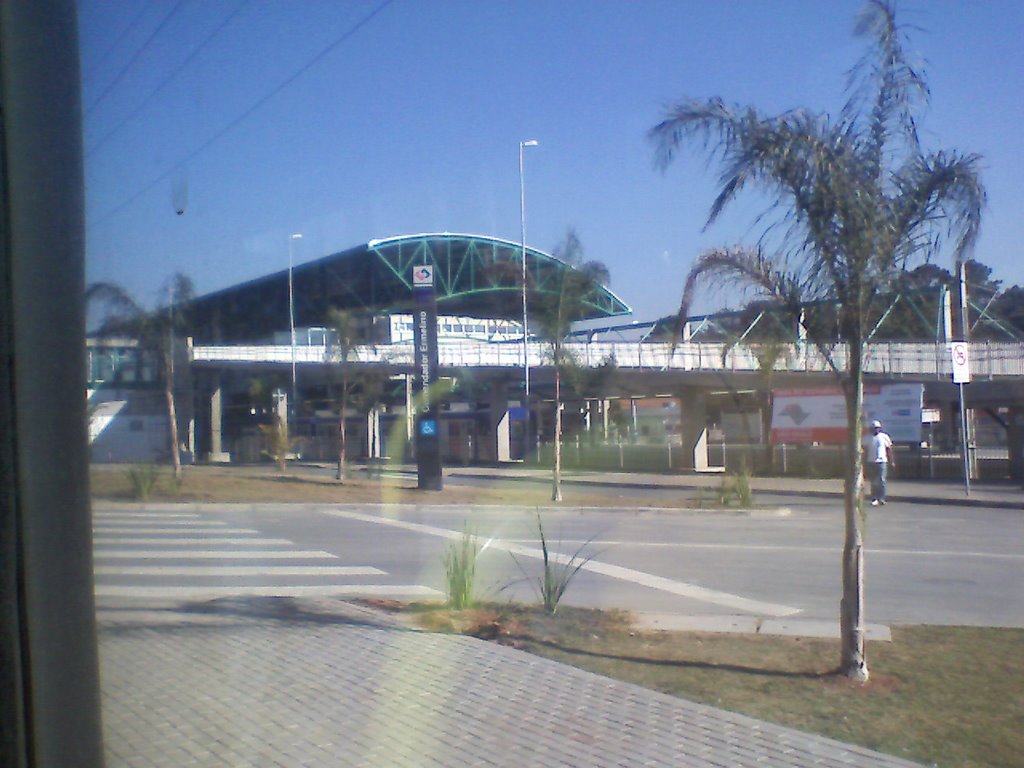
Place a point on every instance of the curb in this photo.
(584, 482)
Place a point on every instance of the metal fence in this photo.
(807, 461)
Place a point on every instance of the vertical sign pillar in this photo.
(959, 352)
(427, 423)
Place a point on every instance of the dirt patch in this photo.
(877, 685)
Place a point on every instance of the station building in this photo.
(277, 325)
(699, 404)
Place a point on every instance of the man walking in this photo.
(878, 457)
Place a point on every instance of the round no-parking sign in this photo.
(959, 353)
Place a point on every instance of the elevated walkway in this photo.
(925, 361)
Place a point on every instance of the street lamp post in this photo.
(291, 311)
(522, 226)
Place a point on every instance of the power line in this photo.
(166, 81)
(234, 123)
(103, 56)
(135, 57)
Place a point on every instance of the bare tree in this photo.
(155, 330)
(854, 201)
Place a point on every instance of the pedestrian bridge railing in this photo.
(987, 359)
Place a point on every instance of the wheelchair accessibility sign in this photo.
(428, 427)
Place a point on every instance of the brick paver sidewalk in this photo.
(277, 682)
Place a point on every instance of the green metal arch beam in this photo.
(475, 276)
(475, 265)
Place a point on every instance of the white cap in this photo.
(876, 423)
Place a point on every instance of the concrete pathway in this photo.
(285, 682)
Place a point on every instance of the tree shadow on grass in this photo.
(241, 611)
(303, 480)
(331, 481)
(293, 610)
(524, 641)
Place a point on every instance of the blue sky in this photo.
(412, 123)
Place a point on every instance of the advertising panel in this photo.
(819, 415)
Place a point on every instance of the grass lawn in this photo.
(302, 483)
(952, 696)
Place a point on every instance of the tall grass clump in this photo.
(744, 496)
(559, 570)
(735, 488)
(460, 569)
(143, 478)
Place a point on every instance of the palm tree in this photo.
(553, 315)
(155, 330)
(345, 325)
(854, 201)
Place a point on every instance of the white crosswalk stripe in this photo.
(123, 515)
(164, 555)
(236, 570)
(131, 520)
(101, 531)
(301, 590)
(207, 540)
(211, 554)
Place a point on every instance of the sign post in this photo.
(959, 353)
(427, 425)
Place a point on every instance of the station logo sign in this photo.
(423, 276)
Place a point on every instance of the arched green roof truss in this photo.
(474, 276)
(472, 273)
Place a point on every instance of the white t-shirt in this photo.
(877, 447)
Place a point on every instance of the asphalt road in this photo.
(924, 563)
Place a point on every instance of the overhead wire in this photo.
(110, 49)
(134, 57)
(248, 112)
(167, 80)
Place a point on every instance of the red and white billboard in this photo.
(819, 415)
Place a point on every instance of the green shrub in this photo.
(460, 569)
(276, 442)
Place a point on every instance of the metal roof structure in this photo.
(474, 276)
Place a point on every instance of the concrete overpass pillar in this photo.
(1015, 441)
(217, 452)
(373, 437)
(494, 446)
(693, 428)
(281, 405)
(591, 418)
